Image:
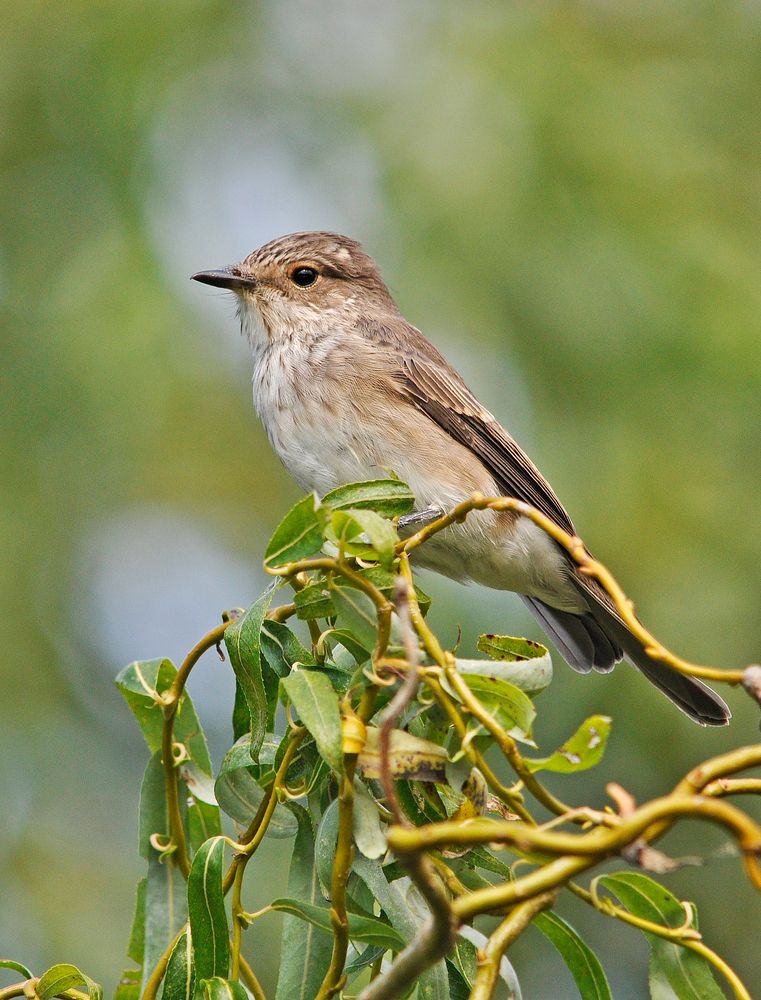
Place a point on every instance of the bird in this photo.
(348, 390)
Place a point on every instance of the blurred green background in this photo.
(565, 196)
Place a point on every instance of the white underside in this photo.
(322, 454)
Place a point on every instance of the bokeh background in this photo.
(565, 196)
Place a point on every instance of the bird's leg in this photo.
(417, 519)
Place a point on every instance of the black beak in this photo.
(224, 278)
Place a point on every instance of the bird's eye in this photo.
(304, 276)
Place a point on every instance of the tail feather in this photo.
(597, 639)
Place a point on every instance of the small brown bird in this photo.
(347, 390)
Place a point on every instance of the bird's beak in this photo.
(225, 277)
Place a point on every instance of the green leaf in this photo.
(582, 962)
(152, 817)
(356, 650)
(8, 963)
(584, 749)
(370, 930)
(206, 911)
(297, 536)
(218, 988)
(238, 791)
(128, 987)
(356, 613)
(304, 951)
(350, 526)
(282, 649)
(179, 979)
(687, 973)
(510, 706)
(314, 602)
(63, 977)
(410, 758)
(465, 960)
(241, 716)
(531, 674)
(325, 846)
(368, 833)
(140, 683)
(165, 911)
(434, 983)
(243, 643)
(164, 900)
(506, 971)
(136, 946)
(388, 497)
(510, 647)
(313, 697)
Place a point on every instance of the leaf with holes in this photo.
(584, 749)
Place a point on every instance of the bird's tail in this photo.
(597, 639)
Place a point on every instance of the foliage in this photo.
(368, 746)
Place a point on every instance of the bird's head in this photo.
(317, 279)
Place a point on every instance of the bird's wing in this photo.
(439, 392)
(432, 386)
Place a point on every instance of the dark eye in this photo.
(304, 276)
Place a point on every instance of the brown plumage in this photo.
(347, 390)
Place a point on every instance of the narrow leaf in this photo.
(128, 987)
(282, 649)
(522, 662)
(297, 536)
(434, 983)
(389, 497)
(239, 793)
(584, 749)
(582, 962)
(313, 697)
(63, 977)
(368, 833)
(351, 526)
(325, 847)
(366, 929)
(510, 706)
(510, 647)
(136, 946)
(410, 758)
(179, 979)
(314, 602)
(165, 911)
(689, 974)
(304, 950)
(206, 911)
(8, 963)
(356, 613)
(506, 971)
(218, 988)
(140, 683)
(243, 643)
(164, 904)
